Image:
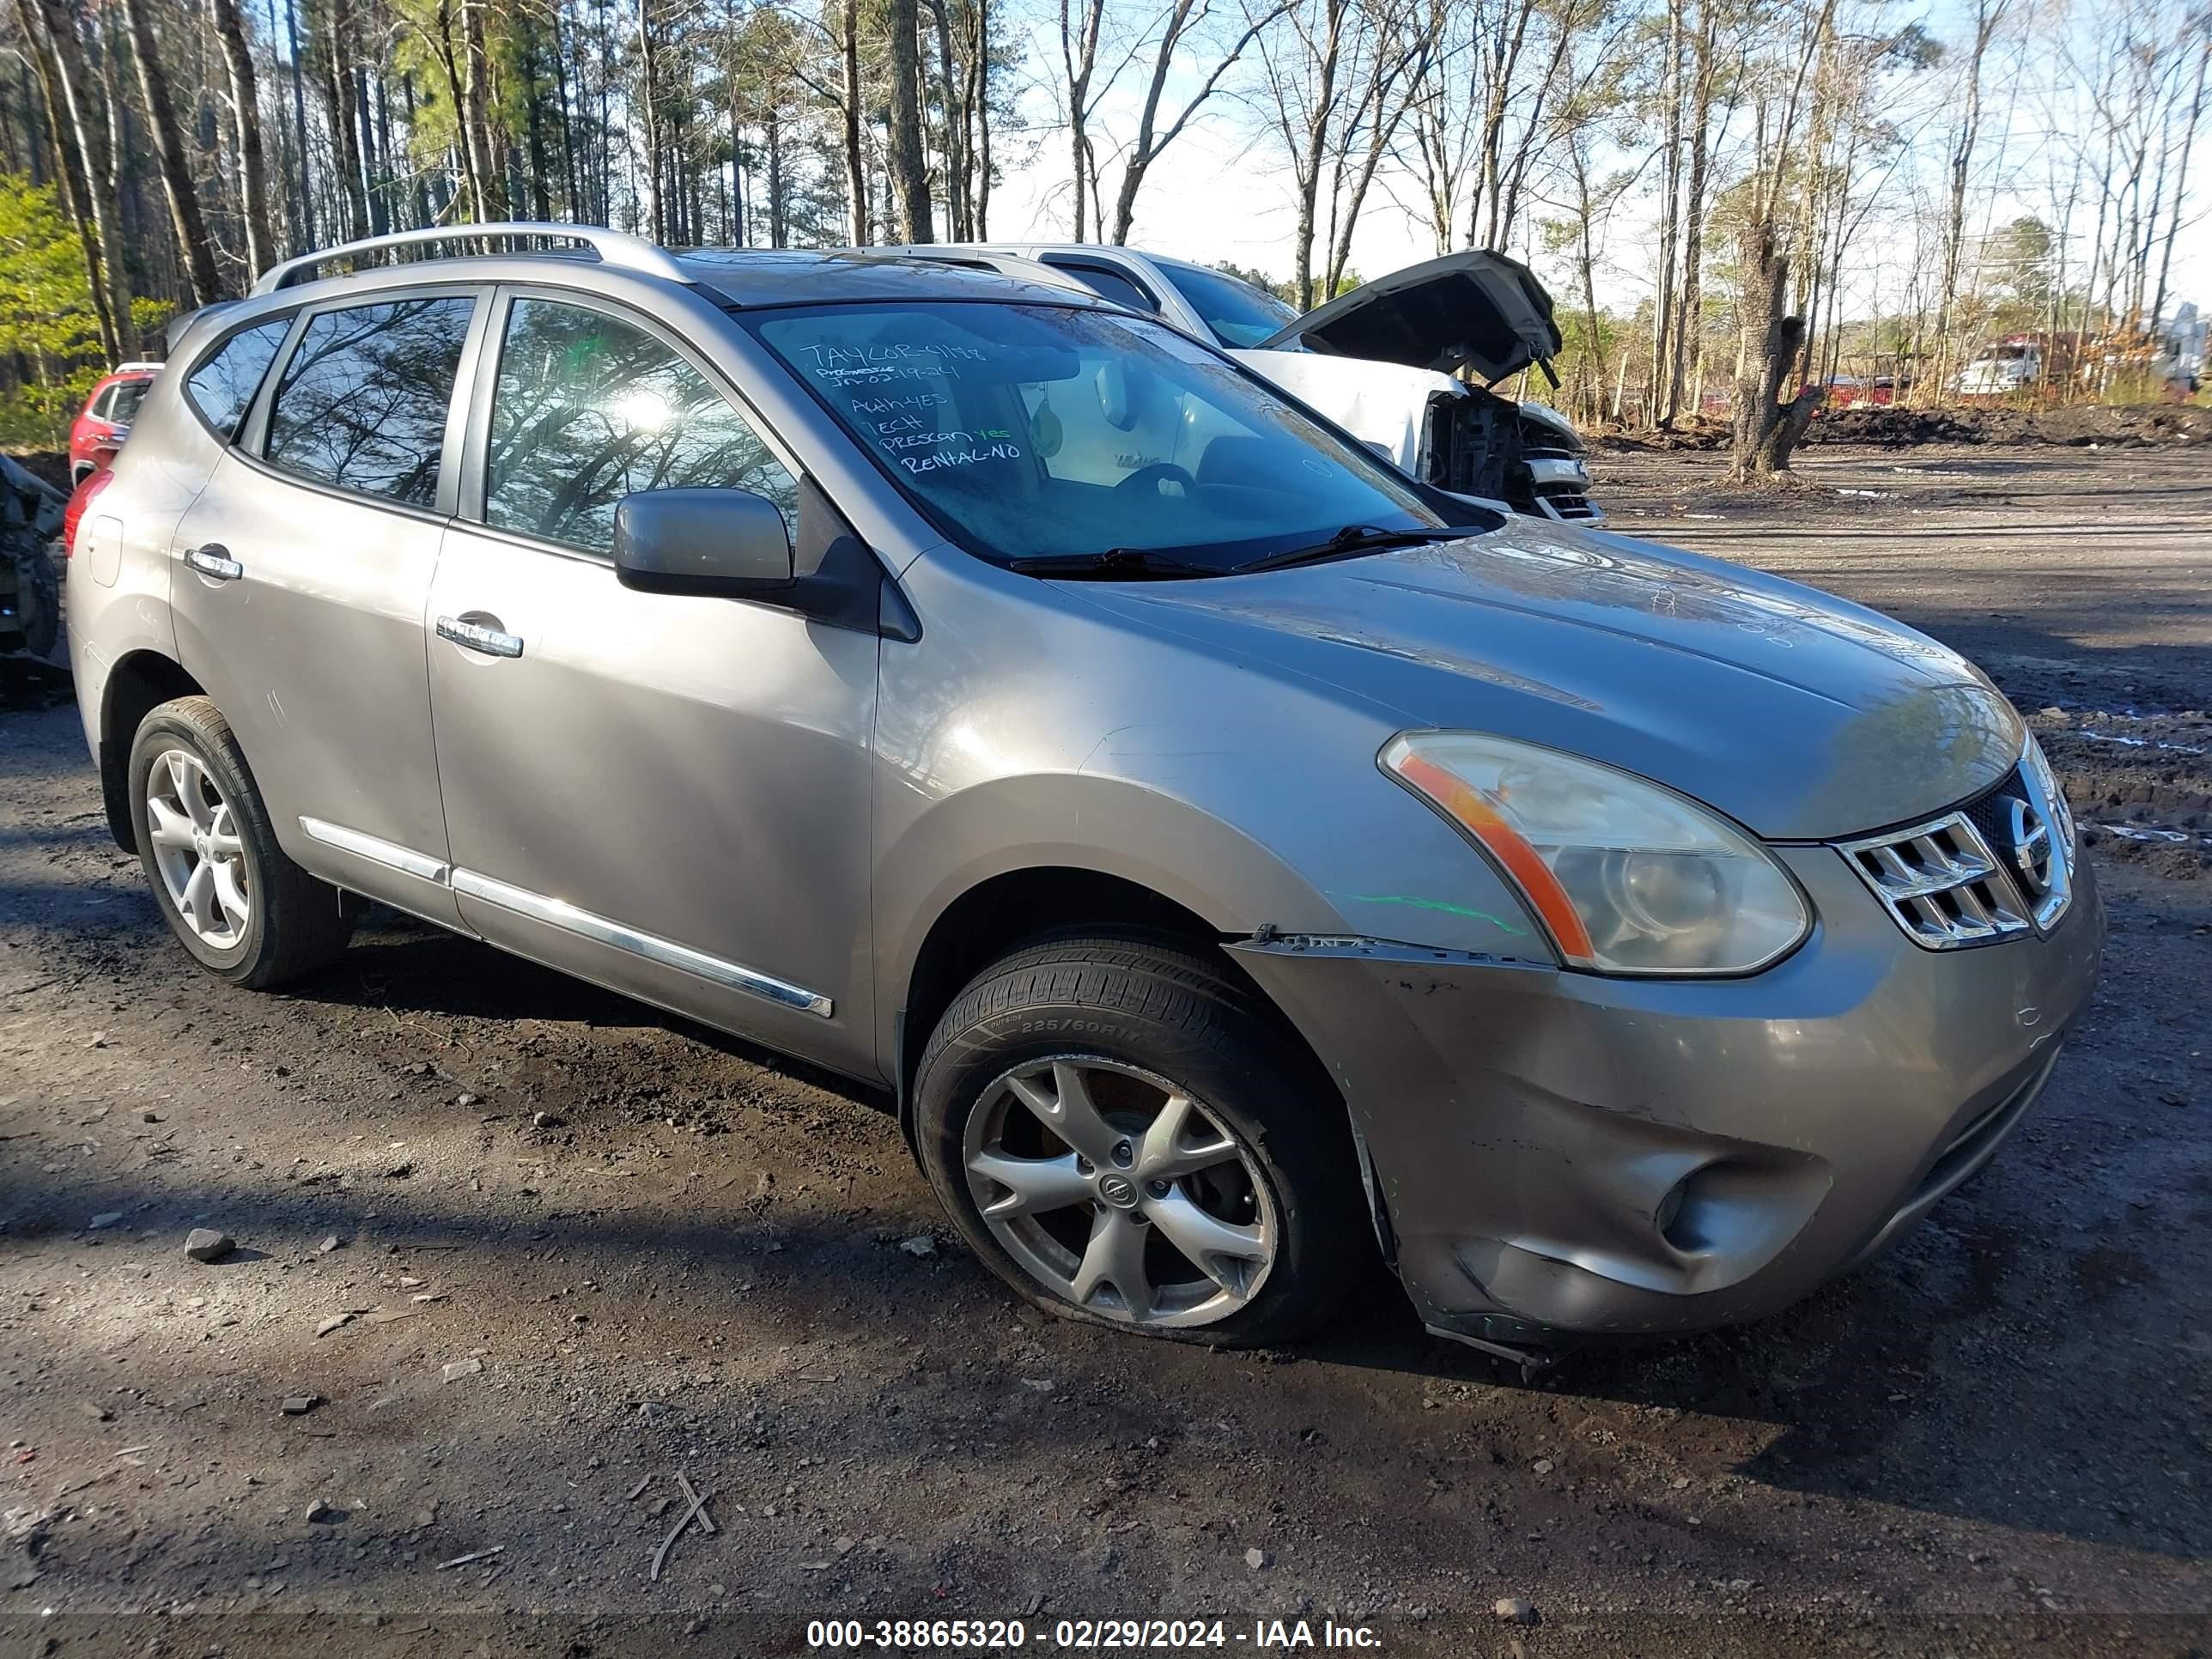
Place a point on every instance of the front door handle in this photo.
(213, 560)
(477, 632)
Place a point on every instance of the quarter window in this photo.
(1108, 284)
(222, 388)
(364, 399)
(588, 409)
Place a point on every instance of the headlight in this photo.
(1629, 877)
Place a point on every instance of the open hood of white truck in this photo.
(1476, 310)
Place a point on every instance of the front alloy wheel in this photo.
(1118, 1192)
(1126, 1133)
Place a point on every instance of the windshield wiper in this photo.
(1353, 538)
(1116, 564)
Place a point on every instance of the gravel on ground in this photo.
(500, 1259)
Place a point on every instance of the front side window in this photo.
(222, 388)
(589, 409)
(364, 401)
(1239, 314)
(1032, 431)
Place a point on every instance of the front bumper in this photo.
(1556, 1154)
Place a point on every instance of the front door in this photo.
(670, 795)
(302, 574)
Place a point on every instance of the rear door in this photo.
(668, 794)
(302, 574)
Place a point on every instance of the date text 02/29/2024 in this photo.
(1087, 1635)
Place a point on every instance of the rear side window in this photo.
(588, 409)
(222, 387)
(1109, 284)
(124, 402)
(364, 401)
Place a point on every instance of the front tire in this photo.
(1129, 1136)
(244, 910)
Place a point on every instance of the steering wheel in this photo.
(1157, 473)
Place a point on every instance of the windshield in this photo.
(1238, 313)
(1031, 431)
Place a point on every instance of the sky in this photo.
(1221, 194)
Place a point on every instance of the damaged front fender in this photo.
(1556, 1153)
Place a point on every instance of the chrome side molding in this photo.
(558, 913)
(376, 850)
(584, 924)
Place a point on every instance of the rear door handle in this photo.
(477, 633)
(213, 560)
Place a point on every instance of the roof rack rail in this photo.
(614, 247)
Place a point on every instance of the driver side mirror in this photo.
(727, 543)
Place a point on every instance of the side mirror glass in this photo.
(726, 543)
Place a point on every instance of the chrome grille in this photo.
(1999, 865)
(1942, 883)
(1567, 504)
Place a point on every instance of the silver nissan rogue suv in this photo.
(1231, 852)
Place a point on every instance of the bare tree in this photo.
(1306, 96)
(1082, 23)
(246, 113)
(909, 173)
(648, 58)
(958, 212)
(856, 166)
(1183, 22)
(77, 116)
(1768, 341)
(1689, 332)
(1396, 62)
(169, 155)
(334, 86)
(58, 89)
(2181, 167)
(1988, 15)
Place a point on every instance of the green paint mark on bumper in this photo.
(1418, 903)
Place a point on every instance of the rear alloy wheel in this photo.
(244, 910)
(1128, 1134)
(197, 851)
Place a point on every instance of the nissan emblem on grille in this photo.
(2032, 848)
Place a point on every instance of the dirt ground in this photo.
(533, 1250)
(2102, 426)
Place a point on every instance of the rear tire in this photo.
(244, 911)
(1239, 1223)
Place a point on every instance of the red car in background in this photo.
(105, 421)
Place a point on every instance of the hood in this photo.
(1801, 716)
(1476, 310)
